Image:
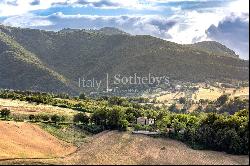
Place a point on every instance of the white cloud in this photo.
(183, 26)
(233, 31)
(239, 6)
(27, 20)
(23, 6)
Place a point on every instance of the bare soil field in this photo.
(113, 147)
(124, 148)
(26, 140)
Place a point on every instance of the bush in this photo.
(18, 117)
(138, 127)
(182, 100)
(44, 118)
(92, 128)
(81, 118)
(222, 100)
(123, 125)
(31, 117)
(82, 96)
(55, 118)
(5, 113)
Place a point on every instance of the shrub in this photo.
(222, 100)
(123, 125)
(18, 117)
(82, 96)
(92, 128)
(55, 118)
(81, 118)
(182, 100)
(31, 117)
(5, 113)
(44, 117)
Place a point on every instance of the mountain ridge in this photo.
(79, 53)
(214, 48)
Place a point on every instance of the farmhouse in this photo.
(145, 121)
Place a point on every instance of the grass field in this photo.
(211, 94)
(23, 107)
(67, 133)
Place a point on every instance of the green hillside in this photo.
(213, 47)
(70, 54)
(21, 69)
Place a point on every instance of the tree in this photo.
(5, 113)
(116, 100)
(45, 117)
(55, 118)
(123, 124)
(81, 117)
(173, 108)
(222, 100)
(198, 109)
(210, 108)
(99, 117)
(234, 105)
(82, 96)
(182, 100)
(31, 117)
(115, 115)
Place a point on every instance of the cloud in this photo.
(27, 20)
(101, 3)
(35, 2)
(137, 25)
(233, 31)
(180, 21)
(12, 3)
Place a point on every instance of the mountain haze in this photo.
(60, 58)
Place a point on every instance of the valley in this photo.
(45, 131)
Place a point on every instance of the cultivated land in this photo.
(26, 140)
(211, 93)
(28, 143)
(124, 148)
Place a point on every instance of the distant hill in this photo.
(54, 61)
(214, 47)
(112, 31)
(105, 31)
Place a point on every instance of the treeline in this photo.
(7, 115)
(79, 105)
(222, 132)
(222, 105)
(44, 98)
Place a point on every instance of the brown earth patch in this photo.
(25, 140)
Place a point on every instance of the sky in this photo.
(180, 21)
